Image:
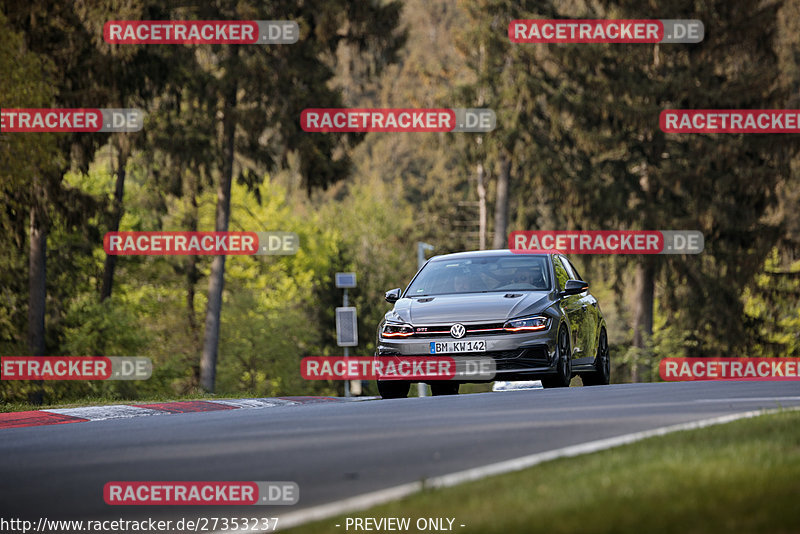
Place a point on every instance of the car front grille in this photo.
(486, 329)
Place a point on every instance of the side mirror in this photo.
(393, 295)
(574, 287)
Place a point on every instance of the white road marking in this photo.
(517, 385)
(121, 411)
(359, 502)
(254, 403)
(101, 413)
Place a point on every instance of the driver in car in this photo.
(462, 282)
(531, 276)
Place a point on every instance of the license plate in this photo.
(444, 347)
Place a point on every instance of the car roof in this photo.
(486, 253)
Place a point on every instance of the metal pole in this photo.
(346, 350)
(422, 389)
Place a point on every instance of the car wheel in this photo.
(393, 389)
(444, 388)
(564, 366)
(602, 364)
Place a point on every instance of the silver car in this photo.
(531, 313)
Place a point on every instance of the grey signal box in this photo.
(345, 280)
(346, 327)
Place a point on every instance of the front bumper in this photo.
(523, 355)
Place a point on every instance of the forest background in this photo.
(577, 146)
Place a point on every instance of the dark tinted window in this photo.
(561, 273)
(571, 270)
(482, 274)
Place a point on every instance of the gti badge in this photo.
(458, 331)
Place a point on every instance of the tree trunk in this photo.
(37, 295)
(192, 272)
(192, 277)
(644, 290)
(482, 207)
(37, 283)
(501, 204)
(116, 217)
(208, 361)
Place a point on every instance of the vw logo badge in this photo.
(458, 331)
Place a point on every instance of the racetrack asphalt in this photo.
(335, 450)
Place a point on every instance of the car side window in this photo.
(561, 273)
(573, 272)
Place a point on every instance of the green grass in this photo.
(740, 477)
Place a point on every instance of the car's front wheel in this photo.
(563, 373)
(602, 364)
(393, 389)
(444, 388)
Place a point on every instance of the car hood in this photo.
(483, 307)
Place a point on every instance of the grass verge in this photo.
(741, 477)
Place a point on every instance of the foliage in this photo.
(578, 124)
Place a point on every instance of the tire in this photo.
(602, 364)
(444, 388)
(563, 373)
(393, 389)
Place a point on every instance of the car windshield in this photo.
(481, 275)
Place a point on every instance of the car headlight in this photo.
(396, 330)
(537, 322)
